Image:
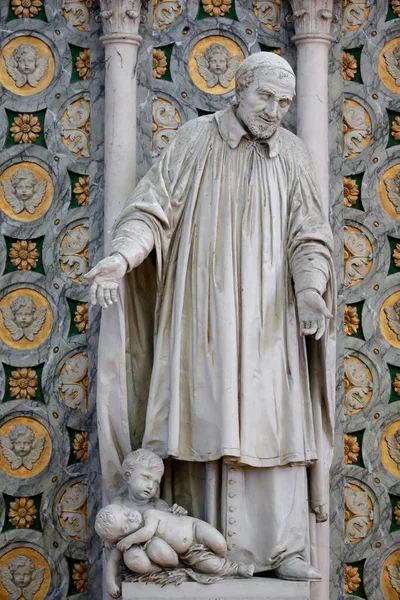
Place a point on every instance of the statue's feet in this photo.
(297, 569)
(245, 570)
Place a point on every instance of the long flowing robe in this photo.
(206, 360)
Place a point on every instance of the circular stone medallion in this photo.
(37, 572)
(390, 448)
(213, 62)
(26, 319)
(391, 572)
(389, 65)
(389, 319)
(26, 191)
(389, 192)
(26, 66)
(25, 447)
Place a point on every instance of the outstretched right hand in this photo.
(105, 278)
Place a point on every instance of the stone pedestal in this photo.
(256, 588)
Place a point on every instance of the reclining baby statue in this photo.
(151, 537)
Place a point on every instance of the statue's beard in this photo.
(259, 129)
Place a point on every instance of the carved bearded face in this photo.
(264, 103)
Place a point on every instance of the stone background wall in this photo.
(51, 131)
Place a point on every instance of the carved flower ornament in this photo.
(351, 449)
(351, 320)
(24, 255)
(80, 576)
(397, 513)
(216, 8)
(351, 191)
(25, 129)
(396, 255)
(26, 8)
(22, 513)
(81, 190)
(352, 579)
(395, 130)
(349, 66)
(81, 318)
(159, 63)
(396, 7)
(80, 446)
(23, 383)
(396, 384)
(83, 64)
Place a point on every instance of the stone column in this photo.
(312, 21)
(120, 20)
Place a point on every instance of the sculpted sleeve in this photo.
(310, 243)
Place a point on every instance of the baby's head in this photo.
(142, 472)
(23, 182)
(217, 57)
(23, 308)
(21, 569)
(26, 57)
(22, 438)
(115, 522)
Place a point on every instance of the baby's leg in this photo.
(161, 553)
(210, 537)
(137, 561)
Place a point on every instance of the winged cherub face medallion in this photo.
(393, 318)
(217, 65)
(25, 65)
(21, 578)
(392, 60)
(23, 318)
(23, 191)
(21, 448)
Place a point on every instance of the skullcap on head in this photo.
(265, 61)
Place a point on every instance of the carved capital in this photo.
(120, 18)
(312, 18)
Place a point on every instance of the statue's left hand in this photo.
(313, 313)
(178, 510)
(123, 545)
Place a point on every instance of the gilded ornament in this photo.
(24, 255)
(395, 129)
(83, 64)
(25, 447)
(213, 62)
(356, 128)
(389, 319)
(349, 66)
(359, 514)
(26, 66)
(77, 13)
(81, 190)
(166, 120)
(72, 510)
(165, 12)
(396, 255)
(74, 253)
(159, 63)
(389, 65)
(355, 12)
(22, 513)
(216, 8)
(81, 445)
(352, 579)
(397, 513)
(81, 318)
(24, 575)
(357, 385)
(396, 384)
(75, 128)
(351, 320)
(26, 319)
(351, 449)
(80, 576)
(396, 7)
(23, 383)
(25, 129)
(351, 191)
(389, 191)
(26, 191)
(268, 12)
(390, 448)
(25, 9)
(357, 256)
(73, 382)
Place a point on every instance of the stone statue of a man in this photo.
(228, 256)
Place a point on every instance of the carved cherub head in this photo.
(21, 448)
(23, 191)
(25, 65)
(142, 471)
(217, 65)
(23, 318)
(21, 578)
(115, 521)
(265, 88)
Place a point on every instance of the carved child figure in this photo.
(151, 536)
(217, 65)
(21, 448)
(23, 191)
(21, 578)
(25, 65)
(23, 318)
